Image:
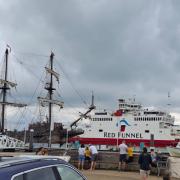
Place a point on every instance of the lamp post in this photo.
(31, 140)
(66, 138)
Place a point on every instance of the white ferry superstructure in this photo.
(132, 123)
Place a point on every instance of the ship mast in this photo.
(49, 87)
(5, 85)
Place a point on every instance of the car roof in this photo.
(13, 166)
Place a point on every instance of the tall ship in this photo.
(132, 123)
(7, 142)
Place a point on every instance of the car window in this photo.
(20, 177)
(68, 173)
(41, 174)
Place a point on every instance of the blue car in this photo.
(38, 169)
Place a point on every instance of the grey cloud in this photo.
(117, 49)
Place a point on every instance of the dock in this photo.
(106, 167)
(115, 175)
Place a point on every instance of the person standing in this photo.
(153, 158)
(145, 163)
(88, 155)
(81, 152)
(94, 156)
(123, 155)
(130, 153)
(40, 151)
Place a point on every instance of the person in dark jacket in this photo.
(145, 164)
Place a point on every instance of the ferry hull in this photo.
(113, 141)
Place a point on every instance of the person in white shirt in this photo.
(81, 152)
(94, 156)
(123, 155)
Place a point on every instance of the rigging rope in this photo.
(71, 83)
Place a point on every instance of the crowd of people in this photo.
(126, 155)
(146, 160)
(89, 154)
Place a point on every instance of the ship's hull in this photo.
(114, 142)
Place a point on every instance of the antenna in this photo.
(169, 96)
(134, 98)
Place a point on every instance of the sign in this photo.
(123, 135)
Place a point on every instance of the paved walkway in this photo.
(114, 175)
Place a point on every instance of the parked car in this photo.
(45, 168)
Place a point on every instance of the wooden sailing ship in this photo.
(43, 131)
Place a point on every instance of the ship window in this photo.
(146, 124)
(100, 130)
(161, 124)
(111, 119)
(146, 131)
(135, 124)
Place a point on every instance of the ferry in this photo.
(132, 123)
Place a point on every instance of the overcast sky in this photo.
(115, 48)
